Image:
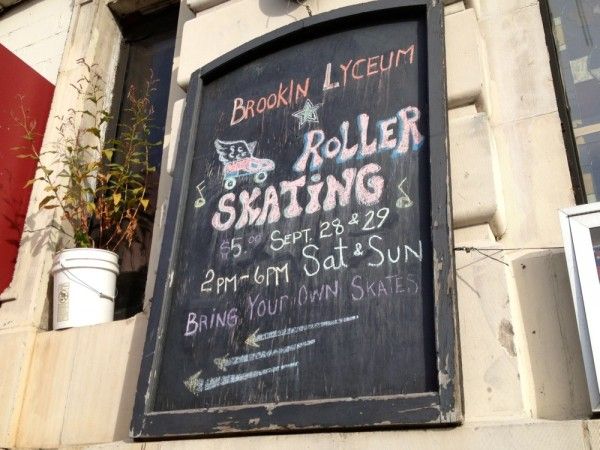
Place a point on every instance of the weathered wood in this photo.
(306, 266)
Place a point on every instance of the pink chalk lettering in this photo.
(355, 66)
(293, 209)
(249, 214)
(270, 207)
(314, 205)
(331, 148)
(386, 142)
(335, 189)
(345, 71)
(408, 126)
(365, 149)
(346, 154)
(327, 84)
(238, 104)
(312, 140)
(390, 59)
(224, 208)
(369, 193)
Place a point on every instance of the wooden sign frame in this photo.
(442, 407)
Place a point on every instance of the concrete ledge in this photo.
(122, 8)
(550, 328)
(520, 79)
(48, 382)
(487, 8)
(81, 385)
(200, 5)
(591, 428)
(464, 61)
(453, 8)
(535, 180)
(573, 435)
(476, 194)
(16, 348)
(492, 376)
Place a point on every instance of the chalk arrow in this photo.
(197, 385)
(224, 362)
(254, 338)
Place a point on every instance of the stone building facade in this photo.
(523, 377)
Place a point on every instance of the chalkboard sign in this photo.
(305, 278)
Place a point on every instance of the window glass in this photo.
(149, 49)
(576, 30)
(595, 235)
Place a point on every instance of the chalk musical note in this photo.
(196, 385)
(224, 362)
(404, 200)
(254, 338)
(200, 201)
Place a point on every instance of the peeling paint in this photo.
(444, 377)
(438, 266)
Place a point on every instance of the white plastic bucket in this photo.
(84, 287)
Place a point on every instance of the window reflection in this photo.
(576, 29)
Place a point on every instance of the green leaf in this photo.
(145, 202)
(108, 153)
(95, 131)
(82, 240)
(116, 198)
(105, 118)
(45, 200)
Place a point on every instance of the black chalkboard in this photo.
(305, 278)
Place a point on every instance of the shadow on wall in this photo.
(12, 212)
(551, 334)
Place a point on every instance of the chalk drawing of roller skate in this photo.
(239, 161)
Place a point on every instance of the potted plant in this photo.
(99, 188)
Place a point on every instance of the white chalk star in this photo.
(308, 113)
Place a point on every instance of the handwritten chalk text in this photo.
(286, 95)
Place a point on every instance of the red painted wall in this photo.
(17, 79)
